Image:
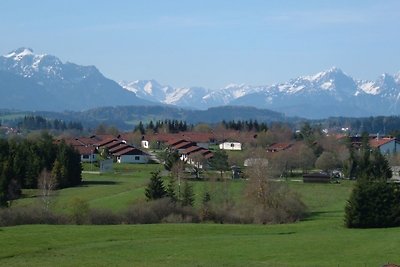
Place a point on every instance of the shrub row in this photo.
(159, 211)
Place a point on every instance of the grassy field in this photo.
(321, 240)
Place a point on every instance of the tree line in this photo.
(22, 161)
(170, 126)
(32, 122)
(245, 125)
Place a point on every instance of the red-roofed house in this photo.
(131, 154)
(87, 150)
(276, 147)
(88, 153)
(386, 145)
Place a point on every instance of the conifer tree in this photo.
(155, 189)
(187, 194)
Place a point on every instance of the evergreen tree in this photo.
(187, 194)
(155, 189)
(219, 162)
(170, 159)
(373, 204)
(170, 191)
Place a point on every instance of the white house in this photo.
(230, 146)
(131, 155)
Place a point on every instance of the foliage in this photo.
(79, 210)
(187, 194)
(245, 125)
(270, 202)
(219, 162)
(47, 183)
(327, 161)
(171, 158)
(367, 163)
(171, 187)
(170, 126)
(32, 122)
(22, 160)
(155, 189)
(373, 204)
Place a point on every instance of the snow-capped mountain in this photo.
(30, 81)
(43, 82)
(327, 93)
(192, 97)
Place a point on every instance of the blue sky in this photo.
(209, 43)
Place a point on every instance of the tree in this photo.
(219, 162)
(170, 191)
(258, 184)
(155, 189)
(327, 161)
(177, 172)
(187, 194)
(47, 183)
(305, 157)
(373, 204)
(270, 201)
(171, 158)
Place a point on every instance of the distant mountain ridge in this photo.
(42, 82)
(325, 94)
(32, 81)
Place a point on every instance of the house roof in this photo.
(192, 149)
(378, 142)
(279, 147)
(86, 150)
(174, 142)
(183, 145)
(119, 147)
(207, 154)
(108, 141)
(86, 140)
(129, 150)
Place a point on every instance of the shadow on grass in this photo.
(87, 183)
(315, 215)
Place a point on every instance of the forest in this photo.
(24, 162)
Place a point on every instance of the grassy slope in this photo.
(319, 241)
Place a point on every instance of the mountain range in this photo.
(328, 93)
(42, 82)
(31, 81)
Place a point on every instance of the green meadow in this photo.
(319, 240)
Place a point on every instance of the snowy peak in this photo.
(148, 89)
(20, 53)
(26, 63)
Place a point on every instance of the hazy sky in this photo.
(209, 43)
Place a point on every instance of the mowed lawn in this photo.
(320, 240)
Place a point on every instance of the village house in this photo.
(89, 147)
(163, 139)
(277, 147)
(130, 154)
(230, 145)
(386, 145)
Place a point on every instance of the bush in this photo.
(104, 217)
(157, 211)
(373, 204)
(29, 215)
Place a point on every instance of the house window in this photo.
(137, 158)
(85, 156)
(232, 145)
